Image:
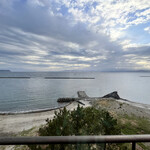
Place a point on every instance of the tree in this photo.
(81, 121)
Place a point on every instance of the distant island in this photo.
(5, 71)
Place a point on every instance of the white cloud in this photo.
(66, 34)
(113, 15)
(147, 29)
(83, 58)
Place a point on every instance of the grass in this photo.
(129, 123)
(133, 124)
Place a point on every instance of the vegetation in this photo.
(131, 124)
(91, 121)
(82, 121)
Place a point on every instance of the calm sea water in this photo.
(38, 93)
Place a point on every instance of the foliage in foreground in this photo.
(82, 121)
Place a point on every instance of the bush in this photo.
(82, 121)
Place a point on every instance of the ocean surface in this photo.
(37, 93)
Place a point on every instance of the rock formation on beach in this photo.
(112, 95)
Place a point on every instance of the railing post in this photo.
(133, 146)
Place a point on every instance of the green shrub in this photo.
(82, 121)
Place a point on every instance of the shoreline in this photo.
(133, 103)
(34, 111)
(13, 124)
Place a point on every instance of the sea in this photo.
(33, 91)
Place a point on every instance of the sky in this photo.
(75, 35)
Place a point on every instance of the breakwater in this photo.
(68, 78)
(15, 77)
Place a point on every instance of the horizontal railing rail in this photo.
(75, 139)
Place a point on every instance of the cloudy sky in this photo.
(57, 35)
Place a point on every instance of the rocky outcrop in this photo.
(82, 94)
(112, 95)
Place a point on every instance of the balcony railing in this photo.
(75, 139)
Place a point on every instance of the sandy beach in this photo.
(13, 124)
(20, 124)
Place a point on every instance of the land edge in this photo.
(34, 120)
(15, 123)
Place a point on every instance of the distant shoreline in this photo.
(5, 71)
